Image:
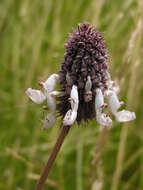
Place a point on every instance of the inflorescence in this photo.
(84, 83)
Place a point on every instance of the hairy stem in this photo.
(52, 157)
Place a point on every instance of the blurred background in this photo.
(32, 37)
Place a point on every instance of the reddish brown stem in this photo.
(52, 157)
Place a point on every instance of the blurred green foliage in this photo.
(32, 37)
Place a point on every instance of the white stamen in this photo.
(49, 121)
(69, 118)
(35, 95)
(125, 116)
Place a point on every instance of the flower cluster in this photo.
(84, 82)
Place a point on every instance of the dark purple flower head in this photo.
(84, 81)
(86, 56)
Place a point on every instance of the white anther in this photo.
(49, 121)
(88, 84)
(35, 95)
(103, 119)
(68, 79)
(50, 84)
(70, 117)
(125, 116)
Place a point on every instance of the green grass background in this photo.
(32, 37)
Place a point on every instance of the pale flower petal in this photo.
(69, 118)
(49, 121)
(74, 100)
(116, 89)
(114, 103)
(125, 116)
(111, 84)
(71, 114)
(50, 84)
(103, 119)
(35, 95)
(51, 103)
(99, 100)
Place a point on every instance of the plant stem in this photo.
(52, 157)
